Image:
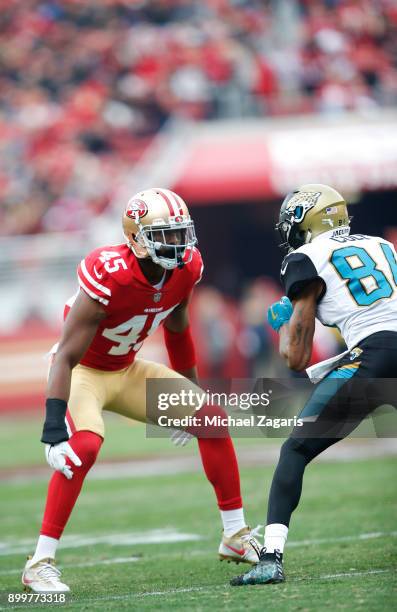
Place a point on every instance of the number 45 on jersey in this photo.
(126, 335)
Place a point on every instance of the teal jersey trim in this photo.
(343, 373)
(326, 389)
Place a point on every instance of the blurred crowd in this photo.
(234, 340)
(232, 336)
(84, 86)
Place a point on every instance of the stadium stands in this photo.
(85, 86)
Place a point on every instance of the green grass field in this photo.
(342, 552)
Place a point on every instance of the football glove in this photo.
(180, 437)
(56, 458)
(279, 313)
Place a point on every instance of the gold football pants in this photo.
(120, 391)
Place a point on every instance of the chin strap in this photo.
(131, 246)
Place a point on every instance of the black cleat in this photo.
(268, 570)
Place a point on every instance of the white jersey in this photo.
(360, 282)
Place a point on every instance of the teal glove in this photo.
(279, 313)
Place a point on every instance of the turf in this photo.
(125, 439)
(342, 570)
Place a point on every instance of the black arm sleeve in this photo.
(297, 271)
(54, 430)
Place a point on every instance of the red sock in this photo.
(63, 493)
(219, 459)
(221, 468)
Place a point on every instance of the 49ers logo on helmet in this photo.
(136, 209)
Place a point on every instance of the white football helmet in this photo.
(157, 224)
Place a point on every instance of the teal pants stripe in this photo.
(325, 390)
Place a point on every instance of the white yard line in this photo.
(155, 536)
(362, 536)
(263, 454)
(114, 561)
(131, 559)
(351, 574)
(202, 589)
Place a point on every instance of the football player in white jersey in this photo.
(349, 282)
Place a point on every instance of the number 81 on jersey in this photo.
(367, 283)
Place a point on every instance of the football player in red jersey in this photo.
(126, 291)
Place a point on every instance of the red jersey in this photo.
(134, 307)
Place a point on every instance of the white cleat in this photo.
(43, 577)
(238, 548)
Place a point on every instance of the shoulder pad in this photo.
(102, 270)
(94, 279)
(296, 272)
(117, 262)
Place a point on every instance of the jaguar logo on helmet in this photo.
(301, 202)
(136, 209)
(305, 214)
